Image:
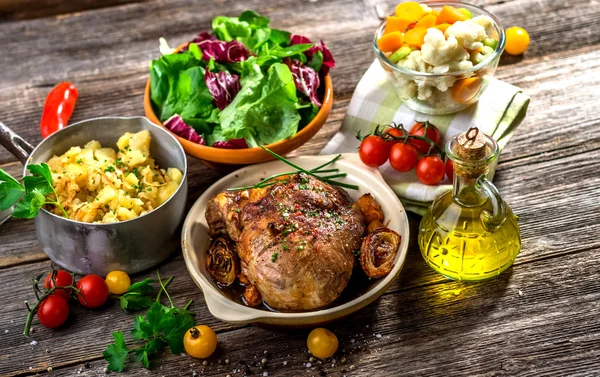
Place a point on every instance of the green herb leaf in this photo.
(151, 348)
(10, 190)
(141, 329)
(116, 353)
(179, 321)
(42, 170)
(132, 301)
(38, 183)
(144, 287)
(30, 205)
(155, 316)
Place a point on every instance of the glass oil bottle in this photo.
(470, 233)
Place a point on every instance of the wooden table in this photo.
(541, 317)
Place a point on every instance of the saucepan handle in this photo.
(15, 144)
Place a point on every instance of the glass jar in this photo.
(470, 233)
(431, 93)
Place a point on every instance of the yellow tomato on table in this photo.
(200, 341)
(322, 343)
(118, 282)
(517, 40)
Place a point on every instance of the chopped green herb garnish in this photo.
(274, 257)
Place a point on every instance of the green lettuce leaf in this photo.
(178, 87)
(230, 28)
(265, 110)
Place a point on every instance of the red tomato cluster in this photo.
(54, 309)
(402, 149)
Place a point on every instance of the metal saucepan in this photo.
(133, 245)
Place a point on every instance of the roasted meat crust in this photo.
(296, 240)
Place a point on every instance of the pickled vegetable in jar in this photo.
(470, 233)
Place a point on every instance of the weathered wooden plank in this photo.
(538, 319)
(11, 10)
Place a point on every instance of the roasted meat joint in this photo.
(294, 244)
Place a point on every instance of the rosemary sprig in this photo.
(313, 172)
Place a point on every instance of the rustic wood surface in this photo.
(540, 318)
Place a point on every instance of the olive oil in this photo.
(455, 243)
(470, 233)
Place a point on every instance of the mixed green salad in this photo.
(242, 85)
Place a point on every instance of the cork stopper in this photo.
(472, 146)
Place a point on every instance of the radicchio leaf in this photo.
(223, 86)
(231, 144)
(220, 51)
(296, 39)
(204, 36)
(328, 61)
(306, 80)
(176, 125)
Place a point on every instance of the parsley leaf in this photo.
(42, 170)
(162, 326)
(136, 297)
(29, 206)
(142, 287)
(152, 347)
(35, 186)
(141, 329)
(155, 315)
(132, 301)
(116, 353)
(181, 322)
(10, 190)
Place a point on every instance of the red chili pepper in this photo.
(58, 108)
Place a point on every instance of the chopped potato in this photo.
(96, 184)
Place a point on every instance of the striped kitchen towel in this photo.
(499, 111)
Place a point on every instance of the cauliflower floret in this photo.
(424, 90)
(468, 34)
(414, 61)
(486, 22)
(460, 65)
(438, 51)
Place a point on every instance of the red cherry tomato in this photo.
(432, 133)
(58, 108)
(430, 170)
(374, 151)
(93, 291)
(395, 132)
(403, 157)
(63, 279)
(450, 170)
(53, 311)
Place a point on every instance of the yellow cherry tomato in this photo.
(200, 341)
(322, 343)
(118, 282)
(517, 40)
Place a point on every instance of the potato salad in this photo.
(96, 184)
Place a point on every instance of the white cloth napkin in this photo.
(499, 111)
